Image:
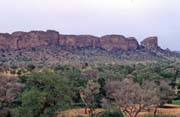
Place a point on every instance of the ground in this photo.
(170, 110)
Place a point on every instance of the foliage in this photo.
(78, 116)
(114, 113)
(32, 101)
(88, 95)
(153, 83)
(30, 67)
(46, 93)
(9, 89)
(176, 102)
(132, 98)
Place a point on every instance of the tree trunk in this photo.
(155, 111)
(86, 110)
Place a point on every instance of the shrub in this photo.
(13, 71)
(30, 67)
(78, 116)
(176, 102)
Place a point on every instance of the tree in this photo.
(9, 89)
(46, 93)
(159, 91)
(152, 98)
(132, 98)
(127, 96)
(32, 103)
(75, 79)
(88, 95)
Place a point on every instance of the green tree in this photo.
(46, 93)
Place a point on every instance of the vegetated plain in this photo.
(35, 90)
(48, 81)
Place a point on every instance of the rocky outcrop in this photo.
(32, 39)
(5, 41)
(150, 43)
(132, 43)
(79, 41)
(22, 40)
(118, 42)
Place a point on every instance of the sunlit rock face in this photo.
(132, 43)
(5, 41)
(118, 42)
(150, 43)
(79, 41)
(33, 39)
(23, 40)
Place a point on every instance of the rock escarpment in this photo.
(23, 40)
(32, 39)
(118, 42)
(150, 43)
(78, 41)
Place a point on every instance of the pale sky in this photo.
(139, 18)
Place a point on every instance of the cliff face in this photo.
(117, 42)
(32, 39)
(24, 40)
(150, 43)
(5, 41)
(79, 41)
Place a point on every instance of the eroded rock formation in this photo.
(118, 42)
(150, 43)
(79, 41)
(32, 39)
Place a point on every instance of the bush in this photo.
(78, 116)
(19, 71)
(13, 71)
(176, 102)
(30, 67)
(111, 114)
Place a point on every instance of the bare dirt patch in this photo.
(168, 110)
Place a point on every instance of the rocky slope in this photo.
(33, 39)
(52, 46)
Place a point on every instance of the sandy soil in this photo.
(171, 110)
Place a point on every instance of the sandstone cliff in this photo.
(118, 42)
(150, 43)
(32, 39)
(79, 41)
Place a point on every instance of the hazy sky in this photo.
(139, 18)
